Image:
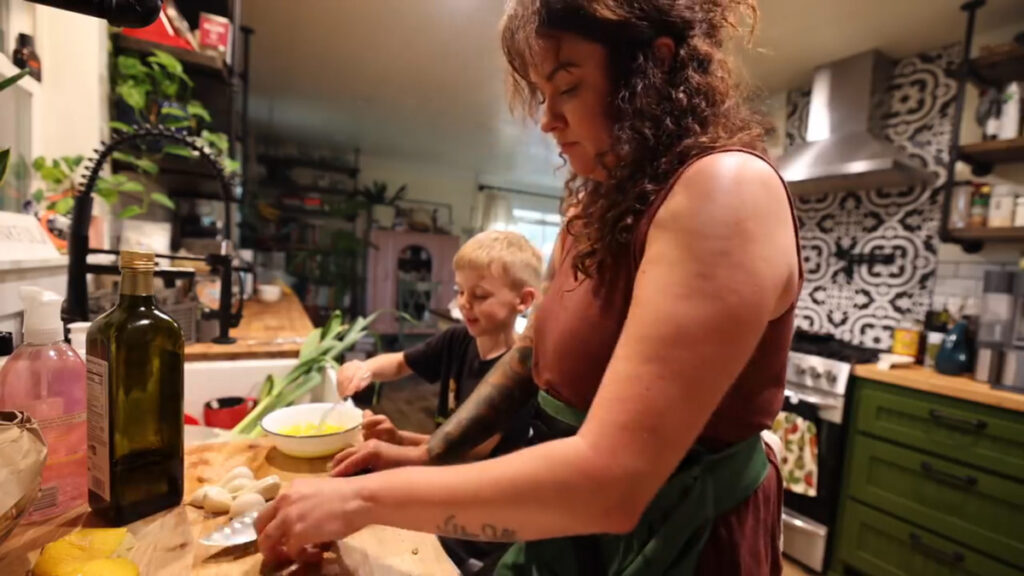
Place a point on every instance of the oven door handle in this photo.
(819, 401)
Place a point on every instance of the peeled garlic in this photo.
(217, 501)
(239, 485)
(267, 487)
(235, 473)
(198, 497)
(246, 503)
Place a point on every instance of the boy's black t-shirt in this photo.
(452, 359)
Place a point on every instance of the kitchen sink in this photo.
(205, 381)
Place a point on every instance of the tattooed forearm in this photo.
(488, 532)
(506, 389)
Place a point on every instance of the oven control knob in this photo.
(815, 373)
(831, 378)
(800, 370)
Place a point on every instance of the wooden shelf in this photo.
(189, 58)
(313, 163)
(291, 187)
(993, 152)
(988, 234)
(999, 68)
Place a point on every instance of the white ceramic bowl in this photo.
(321, 445)
(268, 292)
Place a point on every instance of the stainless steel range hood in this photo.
(845, 149)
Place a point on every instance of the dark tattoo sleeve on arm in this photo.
(488, 532)
(506, 389)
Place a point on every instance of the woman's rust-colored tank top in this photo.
(578, 323)
(576, 329)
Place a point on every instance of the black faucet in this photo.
(76, 305)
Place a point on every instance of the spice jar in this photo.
(979, 206)
(906, 338)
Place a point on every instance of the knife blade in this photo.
(240, 530)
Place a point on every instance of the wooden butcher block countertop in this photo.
(267, 330)
(167, 542)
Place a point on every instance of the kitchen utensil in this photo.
(348, 416)
(240, 530)
(227, 412)
(323, 419)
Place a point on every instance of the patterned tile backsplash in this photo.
(863, 304)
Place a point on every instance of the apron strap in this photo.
(560, 410)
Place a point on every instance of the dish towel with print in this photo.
(799, 461)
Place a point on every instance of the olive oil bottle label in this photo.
(99, 426)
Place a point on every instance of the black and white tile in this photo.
(863, 309)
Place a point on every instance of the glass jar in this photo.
(1001, 206)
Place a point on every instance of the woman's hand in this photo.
(376, 455)
(309, 511)
(353, 376)
(379, 427)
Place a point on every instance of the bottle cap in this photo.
(136, 260)
(42, 316)
(6, 343)
(78, 332)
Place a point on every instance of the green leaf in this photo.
(122, 127)
(38, 163)
(63, 206)
(218, 140)
(196, 108)
(12, 80)
(109, 195)
(166, 61)
(130, 66)
(172, 111)
(162, 200)
(232, 166)
(38, 196)
(123, 157)
(178, 123)
(134, 95)
(130, 186)
(5, 159)
(309, 345)
(147, 166)
(178, 150)
(129, 211)
(72, 162)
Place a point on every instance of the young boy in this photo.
(497, 275)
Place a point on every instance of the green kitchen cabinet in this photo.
(931, 485)
(982, 436)
(878, 544)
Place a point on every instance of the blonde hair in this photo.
(506, 254)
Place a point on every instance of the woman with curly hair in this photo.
(658, 353)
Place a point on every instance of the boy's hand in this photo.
(379, 427)
(375, 456)
(353, 376)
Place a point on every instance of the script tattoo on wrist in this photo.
(487, 532)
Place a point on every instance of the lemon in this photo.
(88, 552)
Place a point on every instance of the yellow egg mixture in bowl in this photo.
(293, 429)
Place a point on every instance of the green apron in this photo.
(672, 531)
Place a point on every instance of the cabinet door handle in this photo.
(955, 557)
(976, 424)
(948, 477)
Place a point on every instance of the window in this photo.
(540, 228)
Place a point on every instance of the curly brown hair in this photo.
(663, 113)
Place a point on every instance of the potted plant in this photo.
(384, 206)
(5, 153)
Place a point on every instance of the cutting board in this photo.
(166, 543)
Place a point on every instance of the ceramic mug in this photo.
(227, 412)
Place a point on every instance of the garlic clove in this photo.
(235, 473)
(268, 487)
(247, 502)
(198, 497)
(217, 501)
(239, 485)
